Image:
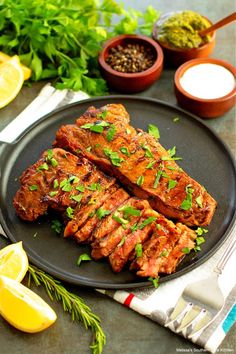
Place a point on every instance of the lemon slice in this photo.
(11, 80)
(13, 261)
(26, 71)
(24, 309)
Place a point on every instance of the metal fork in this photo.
(201, 301)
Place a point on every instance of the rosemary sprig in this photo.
(72, 304)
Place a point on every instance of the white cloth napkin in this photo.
(153, 303)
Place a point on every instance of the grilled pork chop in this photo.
(139, 162)
(97, 211)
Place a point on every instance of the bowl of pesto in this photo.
(178, 35)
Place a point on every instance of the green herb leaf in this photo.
(120, 220)
(134, 227)
(53, 193)
(164, 253)
(44, 166)
(113, 156)
(33, 187)
(77, 198)
(125, 151)
(94, 187)
(172, 151)
(55, 183)
(70, 212)
(199, 240)
(185, 250)
(57, 226)
(154, 131)
(154, 282)
(129, 211)
(148, 152)
(80, 188)
(146, 222)
(83, 257)
(101, 213)
(157, 179)
(187, 202)
(139, 250)
(150, 165)
(102, 115)
(111, 133)
(140, 180)
(200, 231)
(171, 184)
(122, 241)
(199, 201)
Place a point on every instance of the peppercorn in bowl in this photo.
(131, 63)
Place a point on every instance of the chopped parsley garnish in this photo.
(92, 214)
(185, 250)
(113, 156)
(51, 159)
(154, 282)
(44, 166)
(97, 146)
(148, 152)
(200, 240)
(199, 201)
(154, 131)
(147, 222)
(120, 220)
(94, 187)
(176, 119)
(164, 253)
(157, 179)
(80, 188)
(33, 187)
(53, 193)
(129, 211)
(150, 165)
(200, 231)
(70, 212)
(125, 151)
(122, 241)
(65, 185)
(171, 184)
(172, 151)
(77, 198)
(139, 250)
(57, 226)
(89, 148)
(187, 202)
(111, 133)
(55, 183)
(101, 213)
(140, 180)
(168, 158)
(103, 114)
(134, 227)
(171, 168)
(96, 127)
(83, 257)
(73, 179)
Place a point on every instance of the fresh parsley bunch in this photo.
(60, 39)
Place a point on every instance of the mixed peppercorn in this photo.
(130, 58)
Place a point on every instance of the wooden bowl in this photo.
(131, 82)
(205, 108)
(174, 57)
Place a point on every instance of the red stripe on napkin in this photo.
(128, 300)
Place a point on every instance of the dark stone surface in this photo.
(127, 332)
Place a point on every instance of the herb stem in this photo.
(72, 304)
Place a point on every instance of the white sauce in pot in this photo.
(207, 81)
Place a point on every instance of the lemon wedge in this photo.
(26, 71)
(13, 261)
(24, 309)
(11, 80)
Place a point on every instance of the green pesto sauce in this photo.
(181, 30)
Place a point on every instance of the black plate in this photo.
(205, 158)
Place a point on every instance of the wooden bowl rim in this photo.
(112, 43)
(182, 69)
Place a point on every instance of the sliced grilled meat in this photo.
(122, 252)
(163, 252)
(111, 203)
(124, 219)
(133, 157)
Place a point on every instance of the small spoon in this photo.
(218, 24)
